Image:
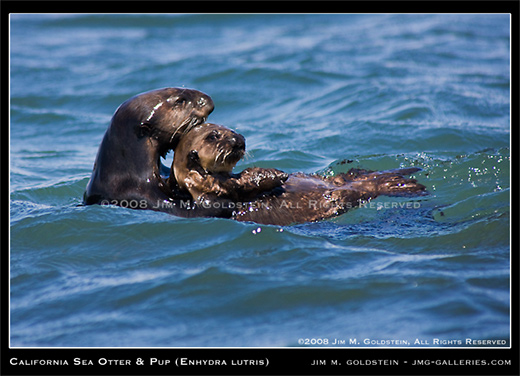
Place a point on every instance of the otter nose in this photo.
(206, 103)
(238, 141)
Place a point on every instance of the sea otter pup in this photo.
(203, 164)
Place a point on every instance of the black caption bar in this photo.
(254, 361)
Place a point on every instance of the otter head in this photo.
(163, 115)
(208, 149)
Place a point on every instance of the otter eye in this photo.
(201, 102)
(213, 136)
(180, 101)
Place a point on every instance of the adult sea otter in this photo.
(144, 128)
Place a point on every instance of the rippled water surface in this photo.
(311, 93)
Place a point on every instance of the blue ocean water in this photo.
(311, 93)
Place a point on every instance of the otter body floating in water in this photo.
(309, 198)
(127, 170)
(203, 164)
(144, 128)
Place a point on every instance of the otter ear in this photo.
(193, 159)
(194, 155)
(144, 129)
(193, 162)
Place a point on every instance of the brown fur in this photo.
(203, 164)
(270, 196)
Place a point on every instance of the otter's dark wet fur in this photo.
(270, 196)
(127, 170)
